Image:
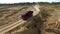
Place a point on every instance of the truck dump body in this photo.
(27, 15)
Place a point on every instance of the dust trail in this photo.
(37, 10)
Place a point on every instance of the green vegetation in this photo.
(28, 3)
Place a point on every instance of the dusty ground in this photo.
(47, 21)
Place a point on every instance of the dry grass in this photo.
(47, 21)
(9, 16)
(51, 24)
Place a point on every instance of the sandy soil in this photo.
(45, 20)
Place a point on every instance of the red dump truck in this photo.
(27, 15)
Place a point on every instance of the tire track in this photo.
(6, 29)
(9, 23)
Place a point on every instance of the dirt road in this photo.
(34, 8)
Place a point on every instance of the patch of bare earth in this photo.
(46, 22)
(52, 21)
